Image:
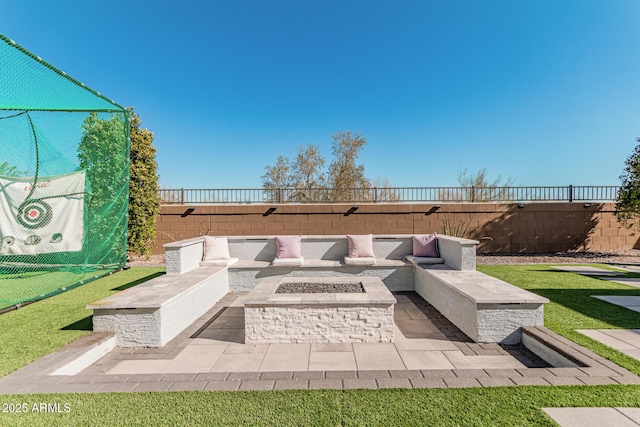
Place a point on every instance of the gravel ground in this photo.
(629, 256)
(320, 288)
(153, 261)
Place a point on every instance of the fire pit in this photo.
(319, 310)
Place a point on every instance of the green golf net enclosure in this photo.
(64, 179)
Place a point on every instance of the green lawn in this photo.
(38, 329)
(500, 406)
(19, 287)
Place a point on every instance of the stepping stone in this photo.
(594, 417)
(632, 281)
(586, 270)
(630, 268)
(607, 338)
(629, 302)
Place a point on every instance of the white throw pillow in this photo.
(215, 248)
(360, 245)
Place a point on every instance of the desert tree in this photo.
(628, 199)
(304, 178)
(345, 174)
(479, 188)
(383, 191)
(301, 179)
(308, 174)
(277, 177)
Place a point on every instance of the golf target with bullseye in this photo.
(49, 220)
(34, 214)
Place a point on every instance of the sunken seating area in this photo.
(202, 270)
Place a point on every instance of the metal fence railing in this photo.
(568, 193)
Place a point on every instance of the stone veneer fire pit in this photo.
(319, 317)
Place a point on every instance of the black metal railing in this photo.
(568, 193)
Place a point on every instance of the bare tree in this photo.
(481, 189)
(310, 180)
(345, 175)
(304, 178)
(383, 191)
(277, 177)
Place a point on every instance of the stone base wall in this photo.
(318, 324)
(502, 322)
(500, 228)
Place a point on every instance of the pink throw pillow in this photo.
(360, 245)
(215, 248)
(425, 245)
(288, 247)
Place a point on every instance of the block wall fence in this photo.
(500, 228)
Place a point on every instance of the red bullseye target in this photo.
(34, 214)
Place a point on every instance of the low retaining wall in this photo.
(500, 228)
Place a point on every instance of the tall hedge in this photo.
(102, 154)
(144, 198)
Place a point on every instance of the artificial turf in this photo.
(20, 287)
(499, 406)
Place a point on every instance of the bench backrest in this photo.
(185, 255)
(334, 248)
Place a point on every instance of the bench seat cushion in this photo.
(288, 262)
(359, 260)
(218, 262)
(423, 260)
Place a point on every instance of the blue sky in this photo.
(546, 92)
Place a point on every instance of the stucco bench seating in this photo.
(154, 312)
(316, 263)
(219, 262)
(485, 308)
(365, 260)
(288, 262)
(419, 260)
(322, 256)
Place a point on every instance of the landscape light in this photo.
(351, 210)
